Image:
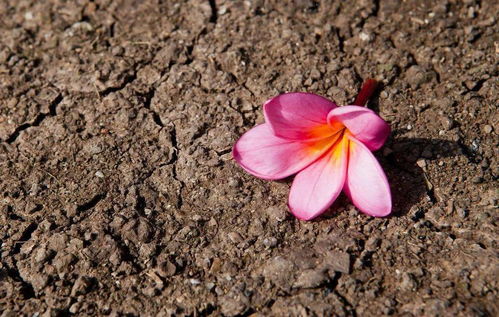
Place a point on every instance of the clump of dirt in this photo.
(118, 193)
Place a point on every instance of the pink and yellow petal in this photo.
(364, 124)
(267, 156)
(366, 183)
(299, 116)
(316, 187)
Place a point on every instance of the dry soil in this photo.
(119, 195)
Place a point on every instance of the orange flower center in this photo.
(329, 136)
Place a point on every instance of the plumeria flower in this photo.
(326, 146)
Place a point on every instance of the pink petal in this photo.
(365, 125)
(315, 188)
(299, 116)
(266, 156)
(366, 183)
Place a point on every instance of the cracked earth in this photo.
(119, 195)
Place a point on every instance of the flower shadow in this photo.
(405, 161)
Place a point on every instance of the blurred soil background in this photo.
(119, 195)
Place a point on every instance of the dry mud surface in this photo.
(119, 195)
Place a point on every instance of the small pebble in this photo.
(408, 282)
(99, 174)
(364, 37)
(475, 145)
(352, 212)
(461, 212)
(421, 163)
(234, 182)
(117, 51)
(388, 310)
(470, 84)
(222, 10)
(210, 286)
(310, 279)
(422, 107)
(477, 179)
(416, 76)
(270, 242)
(487, 128)
(276, 214)
(219, 291)
(235, 237)
(194, 281)
(471, 12)
(469, 29)
(485, 163)
(447, 123)
(372, 244)
(74, 308)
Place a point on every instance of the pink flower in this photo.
(329, 147)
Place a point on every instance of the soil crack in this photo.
(26, 235)
(126, 252)
(91, 203)
(128, 80)
(38, 120)
(147, 104)
(214, 12)
(331, 288)
(27, 289)
(174, 159)
(223, 152)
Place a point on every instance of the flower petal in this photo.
(299, 116)
(365, 125)
(366, 183)
(316, 187)
(266, 156)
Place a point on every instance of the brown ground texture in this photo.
(119, 194)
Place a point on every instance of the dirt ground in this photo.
(119, 195)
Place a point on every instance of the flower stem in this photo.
(368, 88)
